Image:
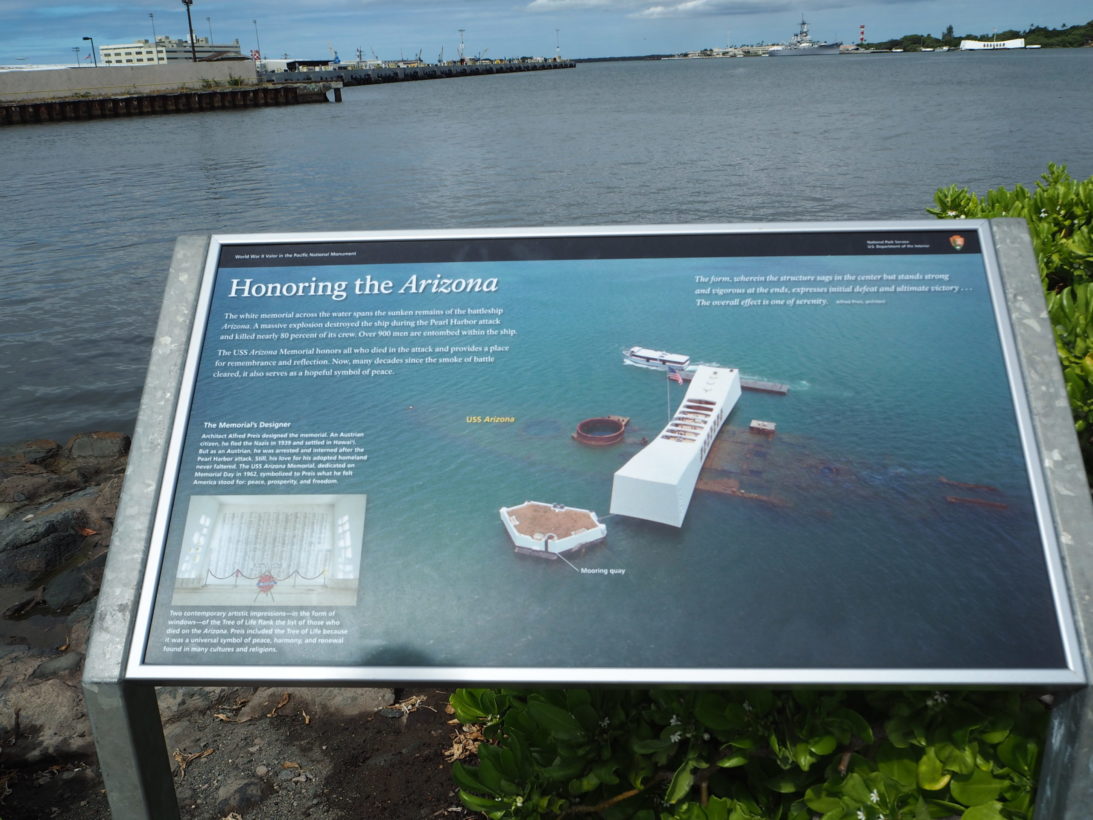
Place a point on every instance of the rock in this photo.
(28, 452)
(57, 507)
(75, 585)
(240, 796)
(42, 471)
(92, 456)
(68, 589)
(58, 665)
(97, 446)
(32, 549)
(22, 533)
(31, 486)
(48, 719)
(53, 498)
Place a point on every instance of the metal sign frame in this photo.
(597, 243)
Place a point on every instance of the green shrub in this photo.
(1059, 213)
(750, 754)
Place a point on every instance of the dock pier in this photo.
(400, 74)
(760, 386)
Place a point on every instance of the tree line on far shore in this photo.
(1063, 37)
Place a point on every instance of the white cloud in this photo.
(683, 9)
(570, 5)
(642, 9)
(705, 8)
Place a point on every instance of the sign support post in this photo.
(1066, 787)
(125, 716)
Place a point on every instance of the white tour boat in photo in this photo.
(655, 359)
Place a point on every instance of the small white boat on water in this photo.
(680, 368)
(655, 359)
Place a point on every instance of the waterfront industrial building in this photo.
(168, 50)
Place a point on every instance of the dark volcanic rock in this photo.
(29, 452)
(32, 549)
(57, 508)
(33, 483)
(75, 585)
(58, 665)
(98, 445)
(57, 505)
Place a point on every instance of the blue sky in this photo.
(47, 31)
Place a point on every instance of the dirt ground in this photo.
(283, 764)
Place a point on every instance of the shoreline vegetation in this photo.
(1076, 36)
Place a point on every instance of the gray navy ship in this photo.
(800, 45)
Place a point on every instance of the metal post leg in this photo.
(132, 753)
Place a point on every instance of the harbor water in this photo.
(92, 209)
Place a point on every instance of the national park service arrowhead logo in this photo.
(957, 241)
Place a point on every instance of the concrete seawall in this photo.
(113, 81)
(178, 102)
(28, 97)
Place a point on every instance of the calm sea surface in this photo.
(91, 210)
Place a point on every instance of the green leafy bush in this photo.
(750, 754)
(1059, 213)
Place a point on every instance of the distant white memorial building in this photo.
(991, 45)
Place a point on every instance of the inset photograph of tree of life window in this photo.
(271, 550)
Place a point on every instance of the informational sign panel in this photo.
(685, 454)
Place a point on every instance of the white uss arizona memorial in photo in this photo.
(658, 482)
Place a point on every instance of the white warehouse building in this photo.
(167, 50)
